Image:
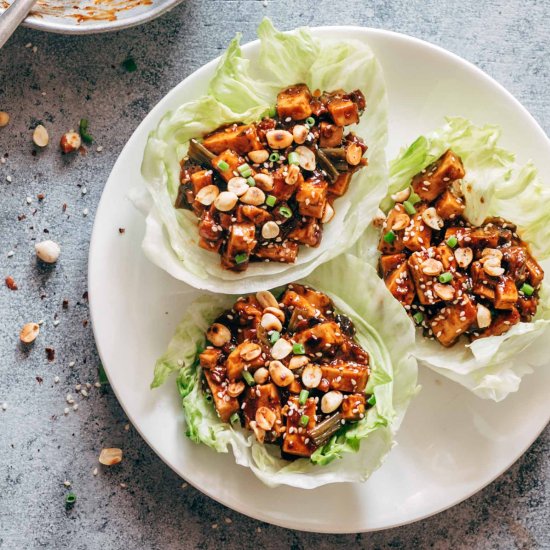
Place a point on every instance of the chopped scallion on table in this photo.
(83, 129)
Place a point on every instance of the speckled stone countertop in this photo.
(142, 503)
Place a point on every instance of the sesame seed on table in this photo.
(55, 415)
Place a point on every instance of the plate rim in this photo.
(60, 26)
(258, 514)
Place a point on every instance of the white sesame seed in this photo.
(85, 212)
(10, 253)
(94, 471)
(4, 406)
(69, 398)
(29, 200)
(71, 364)
(75, 407)
(66, 410)
(84, 190)
(99, 148)
(56, 379)
(8, 179)
(67, 483)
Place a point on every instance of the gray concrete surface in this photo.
(141, 503)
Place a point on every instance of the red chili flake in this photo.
(50, 354)
(39, 379)
(10, 283)
(64, 207)
(121, 230)
(82, 150)
(65, 304)
(40, 196)
(21, 217)
(85, 323)
(85, 295)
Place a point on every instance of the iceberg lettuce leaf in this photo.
(382, 328)
(494, 185)
(241, 91)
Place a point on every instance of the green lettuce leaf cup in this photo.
(244, 90)
(494, 185)
(382, 328)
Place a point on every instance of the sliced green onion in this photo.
(298, 349)
(409, 208)
(129, 65)
(222, 165)
(445, 277)
(304, 419)
(372, 400)
(235, 418)
(527, 289)
(272, 111)
(304, 394)
(389, 237)
(274, 335)
(285, 211)
(244, 170)
(83, 129)
(310, 121)
(274, 157)
(248, 378)
(418, 317)
(251, 181)
(70, 499)
(270, 200)
(452, 241)
(241, 258)
(414, 198)
(293, 158)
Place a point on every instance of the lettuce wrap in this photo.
(244, 91)
(382, 328)
(494, 185)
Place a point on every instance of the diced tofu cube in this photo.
(353, 407)
(482, 284)
(417, 234)
(449, 206)
(390, 262)
(432, 181)
(482, 237)
(241, 240)
(224, 403)
(423, 283)
(201, 179)
(265, 395)
(330, 135)
(446, 256)
(346, 377)
(527, 306)
(536, 273)
(296, 434)
(453, 320)
(343, 111)
(241, 139)
(210, 358)
(506, 293)
(250, 213)
(308, 232)
(514, 258)
(208, 228)
(232, 159)
(503, 321)
(323, 337)
(296, 302)
(248, 310)
(281, 190)
(340, 186)
(312, 197)
(397, 245)
(317, 299)
(235, 364)
(294, 102)
(284, 253)
(295, 387)
(400, 283)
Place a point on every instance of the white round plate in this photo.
(91, 16)
(451, 443)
